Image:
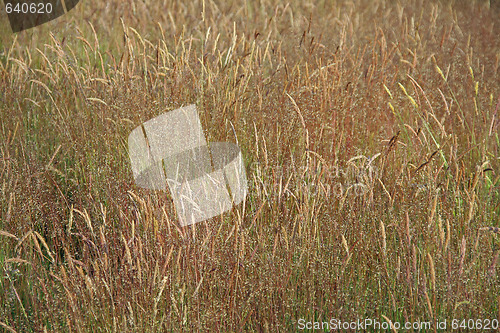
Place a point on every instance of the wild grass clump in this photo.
(369, 130)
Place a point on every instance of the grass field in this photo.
(369, 130)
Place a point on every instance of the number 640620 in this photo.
(478, 324)
(29, 8)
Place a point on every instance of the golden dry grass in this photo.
(370, 133)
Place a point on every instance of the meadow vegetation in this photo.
(369, 130)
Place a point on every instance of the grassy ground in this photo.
(369, 131)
